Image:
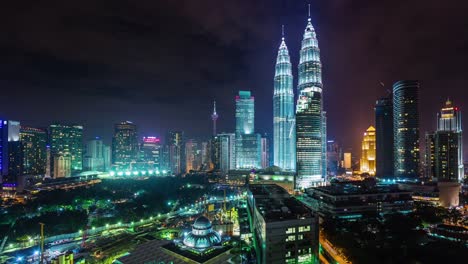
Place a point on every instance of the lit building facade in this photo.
(68, 140)
(406, 129)
(310, 118)
(333, 157)
(176, 143)
(368, 164)
(444, 155)
(384, 137)
(248, 143)
(62, 165)
(34, 147)
(265, 152)
(192, 155)
(285, 230)
(124, 143)
(284, 129)
(94, 160)
(150, 151)
(10, 149)
(227, 151)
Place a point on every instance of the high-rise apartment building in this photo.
(34, 148)
(384, 137)
(310, 118)
(67, 140)
(406, 128)
(368, 164)
(248, 143)
(94, 157)
(124, 143)
(62, 165)
(284, 129)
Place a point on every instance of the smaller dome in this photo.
(202, 223)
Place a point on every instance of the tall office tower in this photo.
(447, 152)
(214, 117)
(206, 153)
(34, 147)
(310, 123)
(368, 164)
(265, 157)
(124, 143)
(151, 152)
(94, 157)
(333, 157)
(107, 156)
(406, 129)
(192, 155)
(176, 142)
(324, 144)
(68, 139)
(284, 133)
(384, 137)
(227, 151)
(248, 143)
(285, 230)
(10, 150)
(62, 165)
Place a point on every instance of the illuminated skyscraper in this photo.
(176, 143)
(151, 152)
(94, 158)
(368, 152)
(10, 148)
(406, 128)
(384, 137)
(124, 143)
(68, 140)
(444, 157)
(248, 143)
(34, 147)
(310, 118)
(192, 155)
(284, 133)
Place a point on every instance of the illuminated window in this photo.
(291, 238)
(291, 230)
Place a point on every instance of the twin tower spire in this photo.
(299, 135)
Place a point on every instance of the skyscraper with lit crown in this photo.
(310, 117)
(368, 164)
(284, 130)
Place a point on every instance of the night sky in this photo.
(162, 63)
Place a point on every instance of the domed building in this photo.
(202, 235)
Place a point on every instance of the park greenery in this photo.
(110, 202)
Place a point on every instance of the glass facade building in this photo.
(368, 152)
(176, 149)
(34, 147)
(124, 143)
(406, 128)
(68, 140)
(310, 117)
(248, 143)
(284, 130)
(384, 137)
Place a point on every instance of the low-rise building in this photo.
(351, 200)
(285, 230)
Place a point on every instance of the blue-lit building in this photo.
(284, 130)
(406, 129)
(10, 149)
(248, 143)
(310, 117)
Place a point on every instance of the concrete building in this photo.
(62, 165)
(285, 230)
(353, 201)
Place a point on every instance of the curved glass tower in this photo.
(284, 130)
(310, 117)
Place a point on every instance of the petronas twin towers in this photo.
(299, 137)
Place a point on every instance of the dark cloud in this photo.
(161, 63)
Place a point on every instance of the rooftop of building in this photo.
(356, 189)
(275, 204)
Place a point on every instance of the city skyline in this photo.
(106, 92)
